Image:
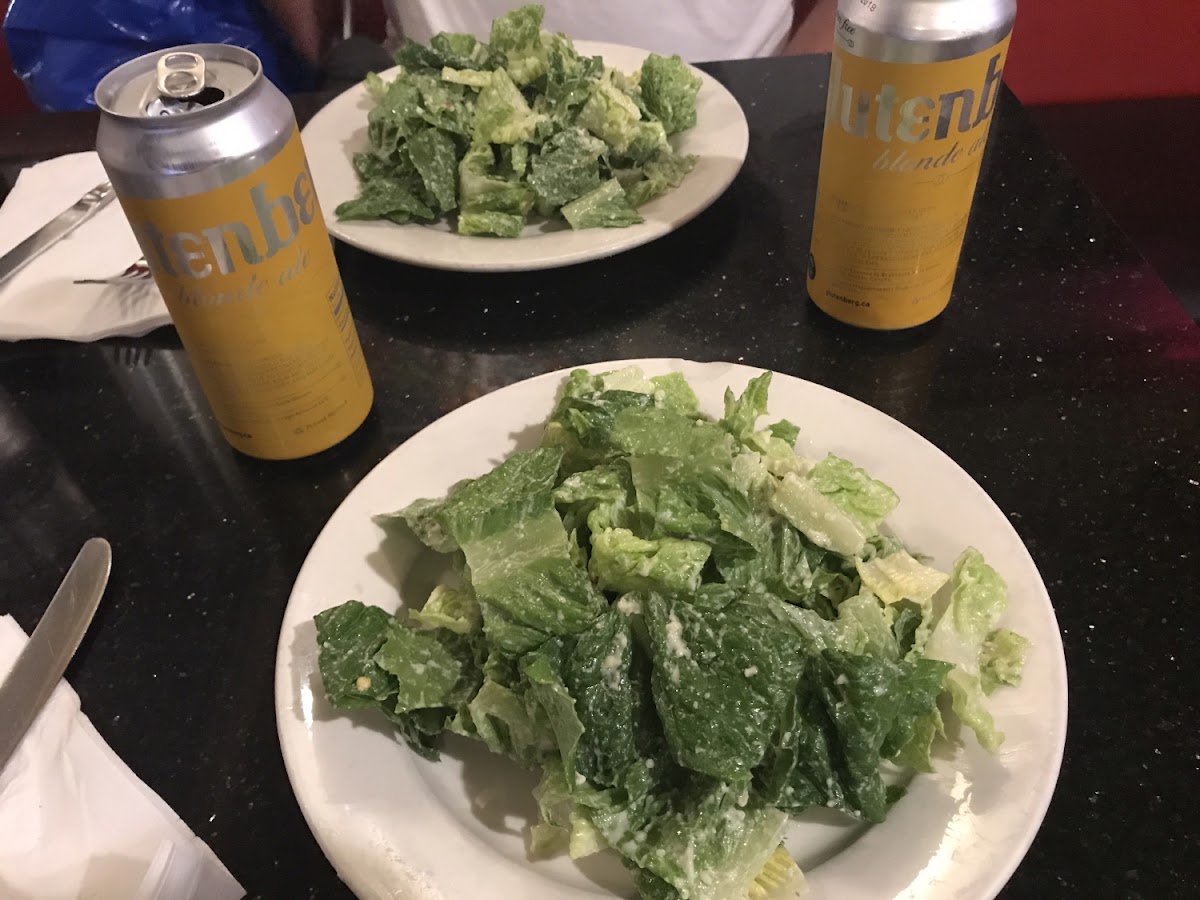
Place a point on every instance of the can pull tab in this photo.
(179, 85)
(180, 75)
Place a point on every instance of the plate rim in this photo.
(633, 236)
(1049, 774)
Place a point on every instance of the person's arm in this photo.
(306, 23)
(813, 27)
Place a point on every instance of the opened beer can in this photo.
(205, 157)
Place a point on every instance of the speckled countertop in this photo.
(1064, 377)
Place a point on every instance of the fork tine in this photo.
(138, 270)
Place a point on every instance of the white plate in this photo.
(397, 826)
(719, 138)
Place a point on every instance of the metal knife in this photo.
(42, 662)
(55, 230)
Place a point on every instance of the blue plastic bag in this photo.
(62, 48)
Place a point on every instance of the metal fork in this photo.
(132, 355)
(135, 272)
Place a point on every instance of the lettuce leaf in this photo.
(454, 609)
(518, 36)
(665, 170)
(978, 598)
(502, 115)
(369, 658)
(603, 207)
(518, 552)
(608, 678)
(721, 679)
(848, 712)
(707, 841)
(432, 669)
(642, 433)
(567, 167)
(569, 76)
(898, 576)
(611, 115)
(792, 568)
(386, 197)
(863, 498)
(433, 153)
(480, 191)
(599, 498)
(818, 517)
(500, 718)
(490, 222)
(865, 628)
(421, 518)
(621, 561)
(348, 637)
(550, 703)
(1002, 659)
(669, 90)
(463, 51)
(743, 411)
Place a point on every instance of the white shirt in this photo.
(697, 30)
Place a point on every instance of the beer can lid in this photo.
(178, 81)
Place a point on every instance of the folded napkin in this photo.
(76, 823)
(42, 300)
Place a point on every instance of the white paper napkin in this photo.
(77, 824)
(42, 300)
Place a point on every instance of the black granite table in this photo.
(1065, 378)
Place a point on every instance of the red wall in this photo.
(1072, 51)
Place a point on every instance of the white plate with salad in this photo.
(713, 644)
(524, 153)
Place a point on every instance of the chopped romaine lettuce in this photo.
(348, 637)
(463, 51)
(518, 35)
(567, 167)
(502, 115)
(611, 115)
(481, 191)
(432, 152)
(707, 841)
(454, 609)
(691, 632)
(664, 172)
(1002, 659)
(862, 498)
(669, 90)
(433, 668)
(898, 576)
(977, 600)
(603, 207)
(818, 517)
(492, 130)
(621, 561)
(490, 222)
(385, 197)
(721, 679)
(610, 699)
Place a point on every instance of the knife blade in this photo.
(44, 658)
(55, 230)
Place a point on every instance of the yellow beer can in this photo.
(205, 157)
(913, 86)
